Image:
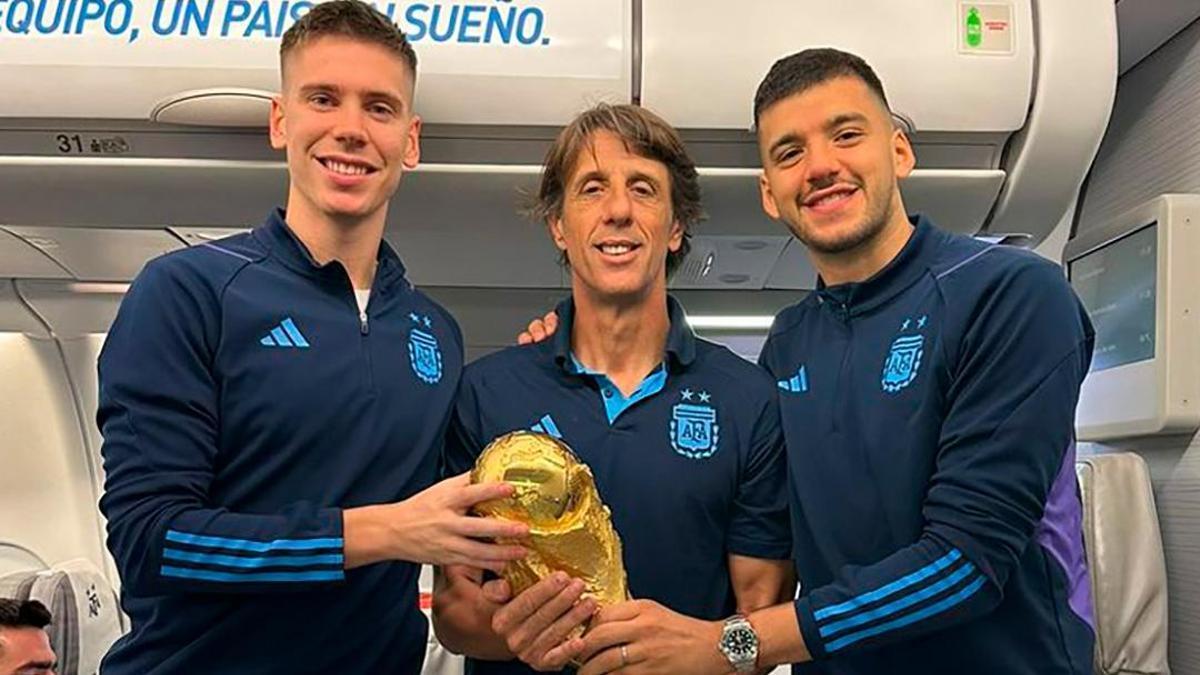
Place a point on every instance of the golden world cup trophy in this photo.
(570, 529)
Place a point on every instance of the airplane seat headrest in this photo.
(1126, 563)
(85, 614)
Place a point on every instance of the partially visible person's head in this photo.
(620, 195)
(24, 645)
(832, 156)
(345, 113)
(347, 19)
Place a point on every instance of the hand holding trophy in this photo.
(570, 528)
(570, 535)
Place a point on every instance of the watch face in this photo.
(741, 641)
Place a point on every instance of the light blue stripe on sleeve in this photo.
(256, 546)
(897, 605)
(238, 561)
(884, 591)
(935, 608)
(208, 575)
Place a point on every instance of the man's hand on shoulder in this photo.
(539, 329)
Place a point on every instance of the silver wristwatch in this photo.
(739, 644)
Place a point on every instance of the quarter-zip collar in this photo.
(855, 298)
(288, 249)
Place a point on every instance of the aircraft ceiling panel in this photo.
(73, 309)
(138, 192)
(1145, 26)
(480, 260)
(733, 204)
(491, 318)
(15, 317)
(957, 200)
(793, 270)
(99, 254)
(20, 260)
(461, 226)
(194, 236)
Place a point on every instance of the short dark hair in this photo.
(801, 71)
(23, 614)
(645, 134)
(348, 18)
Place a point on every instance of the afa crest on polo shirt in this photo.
(694, 429)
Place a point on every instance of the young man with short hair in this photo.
(274, 404)
(953, 367)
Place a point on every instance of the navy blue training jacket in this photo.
(244, 403)
(929, 415)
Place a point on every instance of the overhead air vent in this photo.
(215, 108)
(698, 263)
(725, 262)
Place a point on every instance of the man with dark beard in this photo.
(928, 390)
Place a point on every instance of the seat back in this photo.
(1125, 559)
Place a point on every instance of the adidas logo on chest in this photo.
(286, 335)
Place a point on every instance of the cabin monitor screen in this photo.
(1116, 283)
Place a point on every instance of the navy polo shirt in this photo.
(691, 464)
(929, 414)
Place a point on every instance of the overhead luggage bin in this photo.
(703, 59)
(1024, 87)
(1008, 99)
(216, 62)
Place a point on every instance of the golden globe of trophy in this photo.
(570, 529)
